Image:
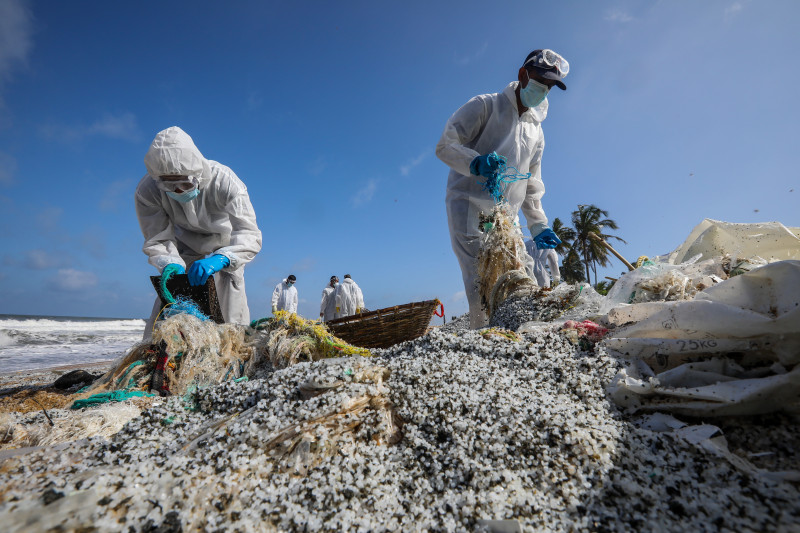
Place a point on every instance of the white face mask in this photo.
(533, 94)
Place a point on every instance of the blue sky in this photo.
(330, 112)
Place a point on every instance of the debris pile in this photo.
(492, 425)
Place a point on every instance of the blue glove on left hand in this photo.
(202, 268)
(547, 239)
(486, 165)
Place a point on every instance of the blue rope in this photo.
(184, 305)
(506, 174)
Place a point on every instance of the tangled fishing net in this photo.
(190, 352)
(501, 258)
(19, 430)
(287, 339)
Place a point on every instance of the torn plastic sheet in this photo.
(710, 388)
(710, 438)
(665, 282)
(753, 316)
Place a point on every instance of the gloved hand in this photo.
(337, 309)
(546, 239)
(487, 165)
(172, 269)
(274, 309)
(203, 268)
(358, 310)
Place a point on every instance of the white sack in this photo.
(756, 314)
(771, 241)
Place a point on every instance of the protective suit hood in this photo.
(173, 152)
(539, 113)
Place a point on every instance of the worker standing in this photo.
(486, 130)
(284, 297)
(327, 307)
(349, 299)
(196, 216)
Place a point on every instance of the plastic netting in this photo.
(496, 184)
(188, 353)
(502, 250)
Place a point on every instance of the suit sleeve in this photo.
(532, 205)
(245, 241)
(461, 128)
(157, 229)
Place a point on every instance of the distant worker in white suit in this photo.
(327, 307)
(284, 297)
(349, 299)
(543, 258)
(196, 218)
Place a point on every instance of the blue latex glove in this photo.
(202, 268)
(547, 239)
(486, 165)
(172, 269)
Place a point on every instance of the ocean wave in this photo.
(51, 326)
(6, 340)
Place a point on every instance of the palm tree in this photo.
(566, 234)
(587, 219)
(571, 268)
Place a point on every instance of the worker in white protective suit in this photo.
(542, 259)
(327, 307)
(487, 128)
(284, 297)
(196, 218)
(349, 299)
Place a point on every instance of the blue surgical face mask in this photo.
(533, 94)
(184, 197)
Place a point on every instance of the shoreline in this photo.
(20, 380)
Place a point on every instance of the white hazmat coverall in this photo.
(542, 258)
(220, 220)
(327, 307)
(348, 298)
(284, 297)
(490, 123)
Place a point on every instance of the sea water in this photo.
(36, 342)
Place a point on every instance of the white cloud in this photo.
(365, 194)
(73, 280)
(405, 169)
(15, 36)
(115, 193)
(41, 260)
(8, 167)
(466, 60)
(459, 296)
(124, 127)
(734, 8)
(618, 15)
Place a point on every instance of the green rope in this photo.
(165, 275)
(107, 397)
(125, 374)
